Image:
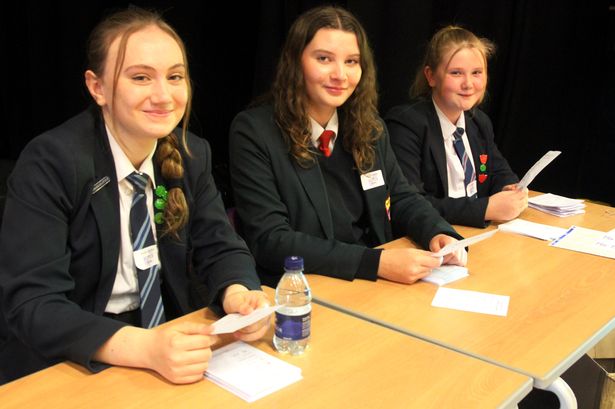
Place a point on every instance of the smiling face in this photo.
(459, 85)
(151, 94)
(331, 69)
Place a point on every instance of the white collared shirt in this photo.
(125, 293)
(317, 130)
(454, 170)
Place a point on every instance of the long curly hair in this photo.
(361, 125)
(122, 25)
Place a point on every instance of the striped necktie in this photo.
(466, 162)
(152, 309)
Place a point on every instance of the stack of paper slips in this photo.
(446, 274)
(249, 372)
(557, 205)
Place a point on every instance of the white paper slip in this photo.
(537, 168)
(446, 274)
(472, 301)
(249, 372)
(234, 322)
(531, 229)
(585, 241)
(607, 241)
(451, 247)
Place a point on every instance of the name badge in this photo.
(372, 179)
(471, 189)
(146, 257)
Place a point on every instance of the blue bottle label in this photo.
(292, 327)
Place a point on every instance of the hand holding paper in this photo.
(235, 322)
(449, 248)
(537, 168)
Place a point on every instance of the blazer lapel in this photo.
(105, 206)
(375, 199)
(436, 145)
(314, 186)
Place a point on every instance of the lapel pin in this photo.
(483, 163)
(160, 203)
(100, 184)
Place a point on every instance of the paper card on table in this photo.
(537, 168)
(607, 241)
(451, 247)
(585, 241)
(472, 301)
(249, 372)
(446, 274)
(234, 322)
(531, 229)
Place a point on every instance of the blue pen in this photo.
(563, 235)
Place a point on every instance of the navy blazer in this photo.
(416, 138)
(60, 242)
(284, 208)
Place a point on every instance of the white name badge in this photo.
(146, 257)
(372, 179)
(471, 189)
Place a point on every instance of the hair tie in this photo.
(175, 183)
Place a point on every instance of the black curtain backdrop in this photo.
(551, 83)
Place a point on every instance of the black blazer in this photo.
(416, 138)
(60, 241)
(284, 208)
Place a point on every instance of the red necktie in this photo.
(324, 139)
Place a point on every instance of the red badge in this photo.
(483, 159)
(482, 177)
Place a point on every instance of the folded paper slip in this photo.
(249, 372)
(446, 274)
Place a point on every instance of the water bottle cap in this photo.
(293, 263)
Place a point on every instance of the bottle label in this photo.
(293, 327)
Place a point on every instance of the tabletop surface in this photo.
(350, 363)
(561, 302)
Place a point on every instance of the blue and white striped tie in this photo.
(466, 163)
(152, 309)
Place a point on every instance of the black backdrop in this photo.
(552, 81)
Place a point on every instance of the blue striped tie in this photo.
(152, 310)
(466, 163)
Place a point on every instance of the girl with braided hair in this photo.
(84, 289)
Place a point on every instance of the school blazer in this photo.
(60, 241)
(284, 209)
(416, 138)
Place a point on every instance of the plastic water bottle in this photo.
(293, 321)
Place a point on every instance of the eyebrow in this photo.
(150, 68)
(321, 50)
(463, 69)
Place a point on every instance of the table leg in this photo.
(563, 392)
